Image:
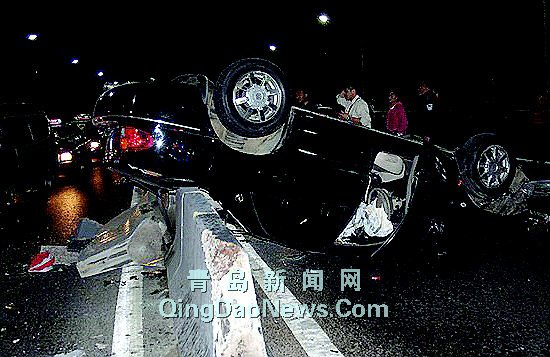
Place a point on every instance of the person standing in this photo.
(396, 119)
(302, 99)
(428, 99)
(426, 110)
(356, 108)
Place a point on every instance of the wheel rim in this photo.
(257, 97)
(493, 166)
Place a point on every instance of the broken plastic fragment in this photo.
(62, 255)
(42, 262)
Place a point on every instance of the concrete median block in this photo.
(134, 235)
(203, 242)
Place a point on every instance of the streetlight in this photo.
(272, 48)
(32, 37)
(100, 73)
(323, 19)
(74, 61)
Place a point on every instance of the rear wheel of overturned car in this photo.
(487, 168)
(251, 99)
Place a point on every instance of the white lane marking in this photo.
(307, 152)
(128, 329)
(307, 332)
(309, 132)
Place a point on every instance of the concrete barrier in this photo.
(203, 242)
(135, 235)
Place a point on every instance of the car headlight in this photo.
(65, 157)
(94, 145)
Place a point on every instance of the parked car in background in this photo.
(78, 143)
(27, 152)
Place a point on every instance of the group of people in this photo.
(356, 109)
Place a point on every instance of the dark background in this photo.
(471, 51)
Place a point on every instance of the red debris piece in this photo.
(41, 262)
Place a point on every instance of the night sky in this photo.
(466, 49)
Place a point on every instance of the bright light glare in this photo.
(272, 48)
(100, 74)
(32, 36)
(158, 136)
(65, 157)
(75, 61)
(94, 145)
(323, 19)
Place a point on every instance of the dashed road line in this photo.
(128, 328)
(307, 332)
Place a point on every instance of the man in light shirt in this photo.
(356, 109)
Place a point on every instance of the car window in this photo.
(184, 99)
(68, 130)
(117, 101)
(39, 127)
(175, 102)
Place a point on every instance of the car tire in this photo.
(487, 167)
(251, 98)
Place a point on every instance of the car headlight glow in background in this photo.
(65, 157)
(94, 145)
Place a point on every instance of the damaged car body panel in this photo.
(288, 172)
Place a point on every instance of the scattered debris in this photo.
(61, 253)
(108, 282)
(153, 273)
(134, 235)
(159, 291)
(42, 262)
(101, 346)
(86, 231)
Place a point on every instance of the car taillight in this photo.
(132, 139)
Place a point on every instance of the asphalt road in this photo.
(58, 312)
(488, 297)
(489, 302)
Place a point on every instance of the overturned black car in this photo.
(293, 173)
